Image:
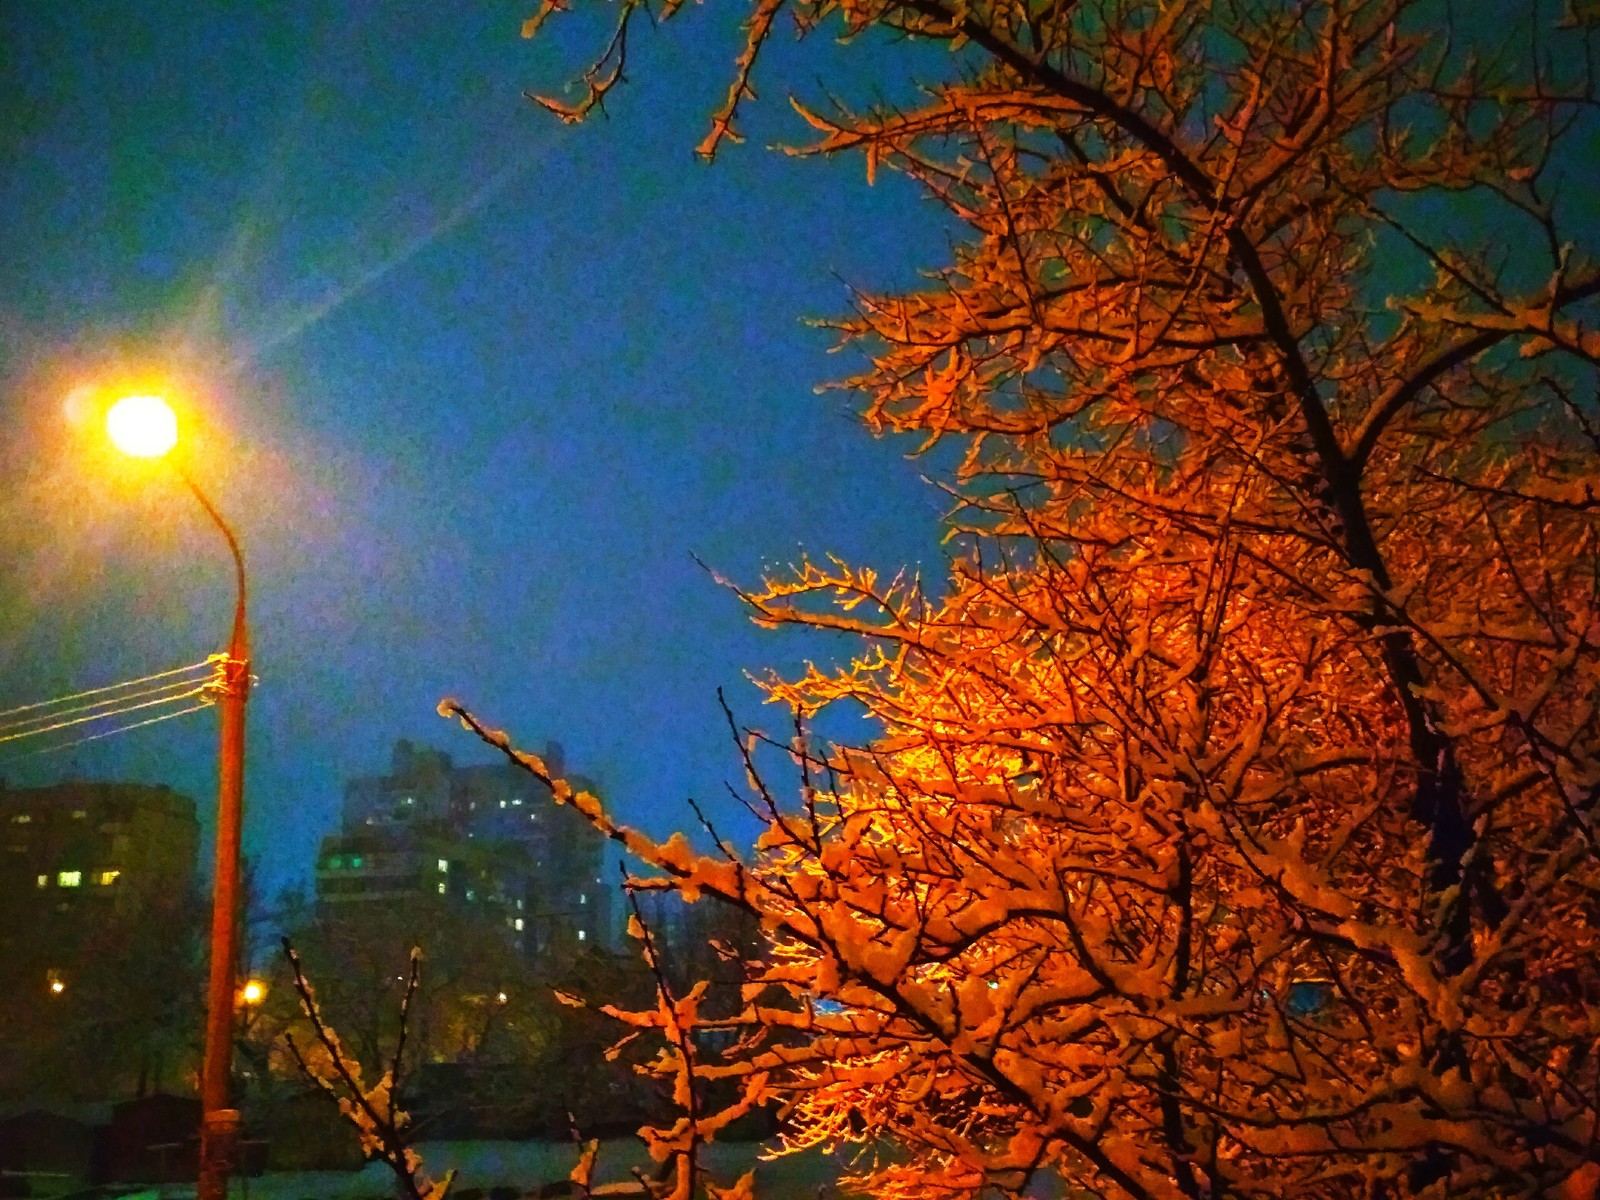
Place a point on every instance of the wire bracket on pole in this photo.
(229, 677)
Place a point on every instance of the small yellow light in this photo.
(57, 987)
(501, 996)
(142, 426)
(253, 991)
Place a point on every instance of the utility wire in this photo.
(193, 691)
(110, 687)
(95, 737)
(178, 689)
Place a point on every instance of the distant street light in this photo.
(253, 992)
(146, 427)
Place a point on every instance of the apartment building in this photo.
(488, 838)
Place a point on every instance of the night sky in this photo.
(472, 386)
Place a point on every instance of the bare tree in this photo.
(373, 1109)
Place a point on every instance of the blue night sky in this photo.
(472, 386)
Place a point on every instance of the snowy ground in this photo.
(525, 1167)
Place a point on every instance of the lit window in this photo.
(355, 860)
(441, 887)
(583, 897)
(411, 800)
(471, 895)
(69, 878)
(106, 878)
(582, 935)
(517, 924)
(519, 905)
(44, 881)
(79, 814)
(22, 819)
(444, 864)
(516, 802)
(502, 804)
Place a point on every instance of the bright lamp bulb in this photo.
(142, 426)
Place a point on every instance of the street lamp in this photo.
(145, 427)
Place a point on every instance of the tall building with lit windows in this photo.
(73, 852)
(99, 940)
(485, 838)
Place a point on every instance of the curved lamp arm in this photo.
(239, 644)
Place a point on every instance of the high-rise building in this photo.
(415, 792)
(74, 854)
(100, 941)
(421, 867)
(488, 838)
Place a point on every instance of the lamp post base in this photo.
(219, 1142)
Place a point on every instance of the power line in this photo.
(116, 712)
(110, 687)
(95, 737)
(177, 689)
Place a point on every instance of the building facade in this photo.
(486, 838)
(78, 855)
(101, 961)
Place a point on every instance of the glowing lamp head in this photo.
(253, 992)
(142, 426)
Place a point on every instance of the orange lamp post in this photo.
(146, 427)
